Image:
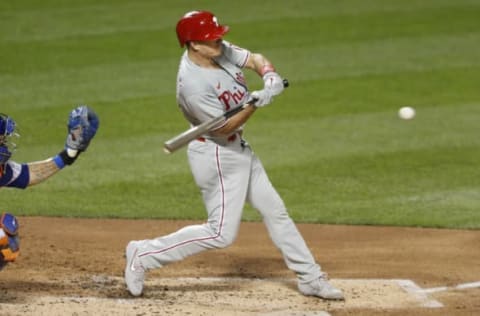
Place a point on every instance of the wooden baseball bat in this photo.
(184, 138)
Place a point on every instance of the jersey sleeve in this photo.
(236, 55)
(15, 175)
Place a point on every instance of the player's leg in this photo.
(222, 177)
(285, 235)
(283, 232)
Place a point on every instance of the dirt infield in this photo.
(75, 267)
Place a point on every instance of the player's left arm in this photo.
(259, 63)
(273, 85)
(273, 82)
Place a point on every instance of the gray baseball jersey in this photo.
(204, 93)
(227, 173)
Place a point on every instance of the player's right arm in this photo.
(235, 122)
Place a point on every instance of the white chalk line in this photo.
(412, 288)
(463, 286)
(421, 294)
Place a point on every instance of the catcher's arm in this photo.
(82, 127)
(41, 170)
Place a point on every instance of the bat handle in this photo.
(286, 83)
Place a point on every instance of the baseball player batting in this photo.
(82, 126)
(210, 82)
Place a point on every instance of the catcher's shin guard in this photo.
(9, 240)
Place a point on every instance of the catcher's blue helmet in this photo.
(7, 129)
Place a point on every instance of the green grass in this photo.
(332, 143)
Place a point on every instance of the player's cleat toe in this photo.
(321, 288)
(134, 272)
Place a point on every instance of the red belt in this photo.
(230, 138)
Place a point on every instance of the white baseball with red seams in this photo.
(227, 172)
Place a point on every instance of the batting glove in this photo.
(262, 98)
(273, 82)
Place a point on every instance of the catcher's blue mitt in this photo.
(82, 125)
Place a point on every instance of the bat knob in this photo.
(285, 83)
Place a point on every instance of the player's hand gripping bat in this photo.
(184, 138)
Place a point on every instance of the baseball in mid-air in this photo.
(406, 113)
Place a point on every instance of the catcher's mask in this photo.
(7, 131)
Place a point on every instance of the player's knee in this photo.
(224, 236)
(225, 240)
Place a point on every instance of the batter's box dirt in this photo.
(74, 267)
(222, 296)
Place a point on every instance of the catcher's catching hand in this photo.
(82, 126)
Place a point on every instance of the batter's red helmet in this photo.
(199, 26)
